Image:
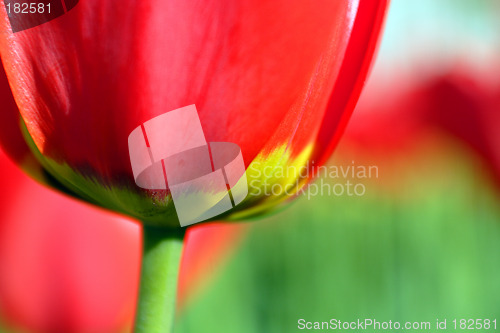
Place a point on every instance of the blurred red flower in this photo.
(458, 104)
(64, 266)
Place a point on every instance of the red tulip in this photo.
(277, 78)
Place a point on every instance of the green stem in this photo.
(159, 276)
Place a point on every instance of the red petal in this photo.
(357, 63)
(83, 81)
(11, 138)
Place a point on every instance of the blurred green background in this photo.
(433, 252)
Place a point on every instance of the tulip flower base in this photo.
(159, 275)
(279, 168)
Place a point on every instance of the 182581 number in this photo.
(474, 324)
(28, 8)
